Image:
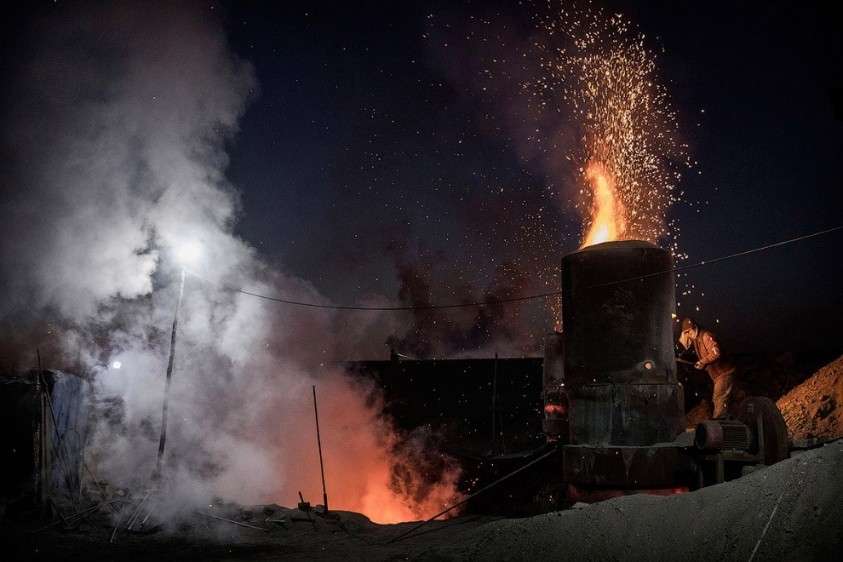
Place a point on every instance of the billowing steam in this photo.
(117, 126)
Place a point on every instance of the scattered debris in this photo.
(303, 505)
(74, 519)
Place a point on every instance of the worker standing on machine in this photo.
(710, 358)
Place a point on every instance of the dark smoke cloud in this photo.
(494, 328)
(515, 227)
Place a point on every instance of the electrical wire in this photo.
(400, 308)
(492, 302)
(722, 258)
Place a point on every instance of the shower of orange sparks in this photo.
(607, 212)
(599, 69)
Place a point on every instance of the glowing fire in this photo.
(365, 471)
(607, 214)
(600, 72)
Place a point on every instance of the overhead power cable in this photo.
(722, 258)
(492, 302)
(398, 308)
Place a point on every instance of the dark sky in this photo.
(365, 138)
(378, 159)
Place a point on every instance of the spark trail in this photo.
(629, 156)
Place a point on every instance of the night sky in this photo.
(386, 145)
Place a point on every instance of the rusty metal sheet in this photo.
(626, 414)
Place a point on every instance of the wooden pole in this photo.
(319, 443)
(170, 363)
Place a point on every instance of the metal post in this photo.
(163, 440)
(494, 404)
(319, 442)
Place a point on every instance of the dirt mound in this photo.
(814, 409)
(789, 511)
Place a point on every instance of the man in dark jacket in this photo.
(710, 358)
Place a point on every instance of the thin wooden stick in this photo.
(241, 524)
(131, 518)
(77, 515)
(134, 518)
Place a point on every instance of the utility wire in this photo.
(398, 308)
(492, 302)
(723, 258)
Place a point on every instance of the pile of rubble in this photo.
(814, 409)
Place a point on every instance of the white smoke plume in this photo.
(118, 120)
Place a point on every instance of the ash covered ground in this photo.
(794, 507)
(792, 510)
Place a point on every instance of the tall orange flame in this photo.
(607, 213)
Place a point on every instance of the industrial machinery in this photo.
(612, 402)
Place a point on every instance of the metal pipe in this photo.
(239, 523)
(319, 442)
(630, 395)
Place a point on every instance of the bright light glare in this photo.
(188, 253)
(116, 365)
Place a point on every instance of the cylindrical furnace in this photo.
(619, 367)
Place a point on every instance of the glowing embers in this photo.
(586, 494)
(598, 70)
(555, 423)
(608, 222)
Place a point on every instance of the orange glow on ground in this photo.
(364, 471)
